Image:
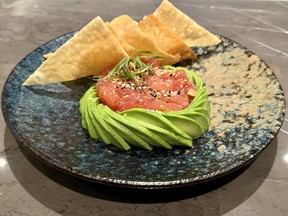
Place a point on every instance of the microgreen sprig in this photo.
(133, 67)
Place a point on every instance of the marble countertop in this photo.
(28, 187)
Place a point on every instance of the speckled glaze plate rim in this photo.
(23, 141)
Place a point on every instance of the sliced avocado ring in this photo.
(200, 118)
(89, 100)
(83, 105)
(197, 107)
(148, 135)
(139, 130)
(124, 132)
(203, 111)
(189, 126)
(91, 126)
(168, 136)
(82, 108)
(115, 138)
(198, 81)
(96, 116)
(204, 103)
(200, 97)
(153, 118)
(200, 93)
(82, 111)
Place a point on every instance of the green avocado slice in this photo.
(168, 136)
(201, 92)
(91, 92)
(86, 118)
(148, 135)
(198, 82)
(91, 126)
(144, 133)
(201, 96)
(153, 118)
(86, 102)
(189, 126)
(82, 111)
(115, 138)
(96, 116)
(200, 118)
(204, 103)
(204, 111)
(124, 132)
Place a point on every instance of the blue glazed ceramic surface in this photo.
(248, 109)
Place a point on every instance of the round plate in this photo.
(248, 109)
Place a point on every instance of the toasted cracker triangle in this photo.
(127, 30)
(89, 52)
(184, 27)
(165, 38)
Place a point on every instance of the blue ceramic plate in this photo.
(248, 108)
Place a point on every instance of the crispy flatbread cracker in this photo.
(122, 39)
(165, 38)
(48, 55)
(184, 27)
(89, 52)
(127, 30)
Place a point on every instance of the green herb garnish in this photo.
(133, 67)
